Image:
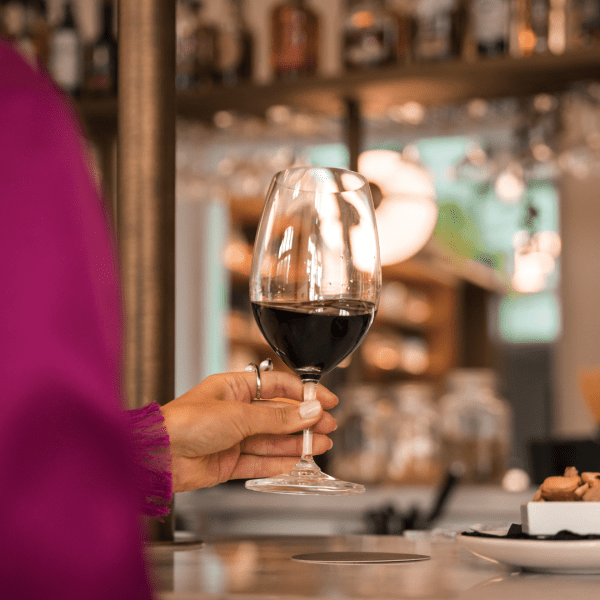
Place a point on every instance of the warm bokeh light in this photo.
(408, 211)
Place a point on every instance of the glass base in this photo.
(306, 478)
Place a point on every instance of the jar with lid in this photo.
(476, 426)
(414, 435)
(359, 450)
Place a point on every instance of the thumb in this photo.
(282, 418)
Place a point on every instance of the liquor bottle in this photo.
(295, 40)
(236, 47)
(66, 54)
(37, 23)
(101, 59)
(532, 18)
(441, 29)
(185, 54)
(206, 68)
(404, 14)
(370, 36)
(490, 21)
(585, 23)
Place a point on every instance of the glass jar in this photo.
(476, 426)
(414, 436)
(359, 450)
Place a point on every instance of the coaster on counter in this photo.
(356, 558)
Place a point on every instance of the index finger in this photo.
(277, 384)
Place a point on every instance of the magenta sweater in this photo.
(76, 470)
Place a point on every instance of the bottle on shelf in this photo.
(66, 60)
(295, 40)
(37, 22)
(404, 13)
(441, 29)
(490, 26)
(101, 59)
(206, 70)
(371, 35)
(185, 43)
(531, 30)
(584, 26)
(236, 46)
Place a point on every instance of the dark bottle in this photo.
(490, 22)
(185, 41)
(585, 23)
(65, 53)
(37, 23)
(404, 15)
(236, 47)
(101, 59)
(295, 40)
(371, 35)
(206, 69)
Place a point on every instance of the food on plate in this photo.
(570, 487)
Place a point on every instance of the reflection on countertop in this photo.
(260, 567)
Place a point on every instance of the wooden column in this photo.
(354, 133)
(146, 199)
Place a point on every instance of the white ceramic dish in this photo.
(548, 518)
(575, 557)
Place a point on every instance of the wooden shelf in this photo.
(440, 83)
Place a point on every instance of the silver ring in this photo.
(265, 365)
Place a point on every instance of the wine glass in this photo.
(314, 289)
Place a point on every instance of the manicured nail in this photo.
(309, 410)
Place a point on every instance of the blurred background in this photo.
(478, 124)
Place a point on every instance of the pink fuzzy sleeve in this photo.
(150, 442)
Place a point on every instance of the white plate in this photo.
(541, 556)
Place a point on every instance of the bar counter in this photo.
(261, 568)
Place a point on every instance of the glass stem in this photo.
(309, 393)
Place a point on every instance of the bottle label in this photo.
(65, 64)
(490, 20)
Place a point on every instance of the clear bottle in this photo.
(490, 22)
(414, 436)
(295, 40)
(236, 47)
(101, 59)
(360, 446)
(476, 426)
(66, 57)
(370, 35)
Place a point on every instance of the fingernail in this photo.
(309, 410)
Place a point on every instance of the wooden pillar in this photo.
(353, 132)
(146, 199)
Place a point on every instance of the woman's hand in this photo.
(216, 433)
